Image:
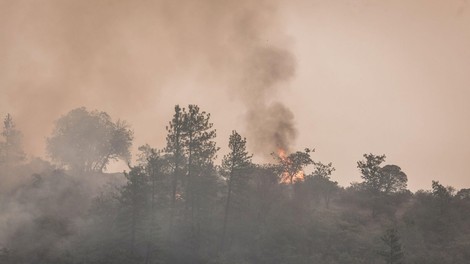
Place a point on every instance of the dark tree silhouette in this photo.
(322, 182)
(133, 211)
(379, 179)
(393, 179)
(200, 148)
(393, 254)
(234, 165)
(175, 149)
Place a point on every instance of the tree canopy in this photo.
(87, 141)
(386, 179)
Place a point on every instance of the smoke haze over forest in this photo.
(344, 77)
(234, 131)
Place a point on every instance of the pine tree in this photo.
(176, 158)
(155, 166)
(200, 149)
(393, 254)
(132, 218)
(233, 164)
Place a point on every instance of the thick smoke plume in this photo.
(120, 56)
(270, 125)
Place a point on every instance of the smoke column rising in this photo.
(118, 56)
(269, 124)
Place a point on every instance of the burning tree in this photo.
(291, 166)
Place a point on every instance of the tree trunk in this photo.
(152, 217)
(227, 208)
(174, 186)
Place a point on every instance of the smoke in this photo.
(270, 125)
(119, 56)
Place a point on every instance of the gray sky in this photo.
(387, 77)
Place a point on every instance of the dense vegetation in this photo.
(175, 204)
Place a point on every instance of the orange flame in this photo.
(282, 154)
(286, 177)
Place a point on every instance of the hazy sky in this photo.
(387, 77)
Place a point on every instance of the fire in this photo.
(287, 177)
(282, 154)
(298, 177)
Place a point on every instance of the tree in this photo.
(293, 164)
(370, 170)
(380, 182)
(87, 141)
(393, 179)
(379, 179)
(175, 150)
(233, 165)
(393, 253)
(463, 194)
(441, 192)
(198, 137)
(11, 151)
(133, 212)
(155, 166)
(200, 149)
(443, 195)
(323, 170)
(321, 181)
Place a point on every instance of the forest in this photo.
(185, 202)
